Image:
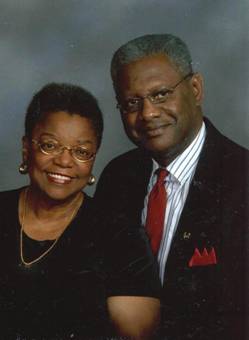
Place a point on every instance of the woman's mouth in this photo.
(59, 178)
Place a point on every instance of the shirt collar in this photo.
(184, 165)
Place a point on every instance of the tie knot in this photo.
(161, 174)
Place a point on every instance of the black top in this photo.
(62, 296)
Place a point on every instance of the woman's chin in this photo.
(59, 195)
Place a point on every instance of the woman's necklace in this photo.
(71, 217)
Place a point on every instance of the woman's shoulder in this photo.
(9, 197)
(9, 208)
(82, 224)
(88, 199)
(86, 209)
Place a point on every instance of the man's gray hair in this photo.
(173, 47)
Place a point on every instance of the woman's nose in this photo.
(64, 158)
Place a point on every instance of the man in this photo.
(195, 207)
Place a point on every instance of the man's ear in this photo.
(198, 87)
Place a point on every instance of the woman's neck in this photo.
(43, 207)
(43, 218)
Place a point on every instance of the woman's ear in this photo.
(198, 87)
(23, 168)
(25, 149)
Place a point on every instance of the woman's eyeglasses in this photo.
(78, 152)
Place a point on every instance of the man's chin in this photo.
(155, 147)
(162, 153)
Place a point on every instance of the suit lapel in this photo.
(199, 223)
(140, 175)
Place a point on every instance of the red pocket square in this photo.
(203, 259)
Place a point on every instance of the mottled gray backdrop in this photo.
(73, 41)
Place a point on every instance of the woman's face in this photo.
(60, 176)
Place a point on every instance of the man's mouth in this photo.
(155, 131)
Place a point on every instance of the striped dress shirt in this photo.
(181, 171)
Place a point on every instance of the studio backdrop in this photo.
(73, 41)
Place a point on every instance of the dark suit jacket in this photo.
(200, 302)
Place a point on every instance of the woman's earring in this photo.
(23, 168)
(91, 180)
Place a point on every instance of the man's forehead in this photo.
(147, 71)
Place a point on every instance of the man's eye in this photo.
(161, 95)
(132, 102)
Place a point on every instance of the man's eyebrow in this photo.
(152, 91)
(161, 87)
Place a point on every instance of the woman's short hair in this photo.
(173, 47)
(70, 98)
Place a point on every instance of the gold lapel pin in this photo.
(186, 235)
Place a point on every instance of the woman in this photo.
(54, 284)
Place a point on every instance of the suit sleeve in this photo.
(130, 266)
(129, 263)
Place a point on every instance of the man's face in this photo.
(164, 129)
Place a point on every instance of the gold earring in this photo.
(23, 168)
(91, 180)
(153, 114)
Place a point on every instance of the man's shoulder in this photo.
(223, 166)
(132, 158)
(125, 172)
(131, 155)
(228, 150)
(232, 147)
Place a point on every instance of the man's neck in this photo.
(164, 159)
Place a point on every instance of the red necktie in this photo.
(156, 210)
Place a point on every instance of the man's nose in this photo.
(148, 110)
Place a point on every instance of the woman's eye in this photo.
(81, 151)
(83, 154)
(48, 146)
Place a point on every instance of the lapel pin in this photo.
(186, 235)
